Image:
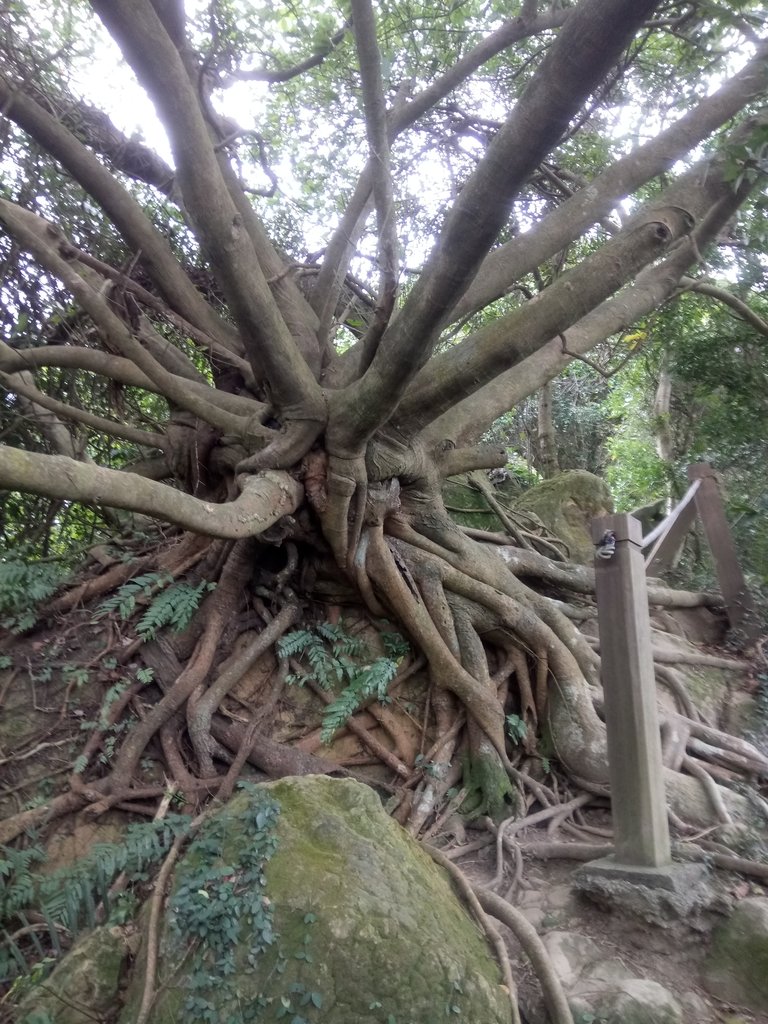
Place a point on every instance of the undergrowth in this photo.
(73, 898)
(333, 658)
(170, 604)
(24, 585)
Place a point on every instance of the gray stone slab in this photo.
(657, 894)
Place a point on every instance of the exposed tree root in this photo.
(533, 947)
(474, 898)
(492, 643)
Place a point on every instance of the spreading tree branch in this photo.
(42, 239)
(342, 243)
(471, 417)
(595, 200)
(586, 48)
(369, 59)
(270, 347)
(275, 77)
(264, 499)
(121, 370)
(14, 384)
(156, 256)
(501, 343)
(727, 298)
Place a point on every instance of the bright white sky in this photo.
(108, 82)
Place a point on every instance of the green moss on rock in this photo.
(736, 970)
(489, 791)
(367, 928)
(566, 504)
(468, 507)
(84, 986)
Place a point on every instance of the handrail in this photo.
(703, 500)
(664, 540)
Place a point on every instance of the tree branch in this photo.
(93, 127)
(264, 498)
(156, 256)
(690, 284)
(271, 350)
(596, 199)
(286, 74)
(369, 60)
(342, 243)
(50, 426)
(41, 238)
(122, 371)
(147, 439)
(147, 299)
(586, 48)
(471, 417)
(500, 344)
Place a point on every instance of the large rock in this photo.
(566, 504)
(600, 987)
(633, 1001)
(83, 987)
(737, 967)
(354, 923)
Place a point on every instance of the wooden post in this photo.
(641, 832)
(739, 604)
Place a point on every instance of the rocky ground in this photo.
(616, 967)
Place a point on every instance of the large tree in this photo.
(497, 192)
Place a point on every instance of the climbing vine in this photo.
(213, 901)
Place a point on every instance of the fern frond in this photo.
(23, 586)
(291, 644)
(395, 645)
(123, 601)
(371, 680)
(173, 607)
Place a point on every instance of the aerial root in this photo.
(480, 704)
(696, 769)
(483, 902)
(200, 712)
(153, 925)
(534, 949)
(474, 900)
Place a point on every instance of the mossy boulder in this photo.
(736, 970)
(355, 922)
(566, 504)
(467, 506)
(84, 986)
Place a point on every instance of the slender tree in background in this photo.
(173, 349)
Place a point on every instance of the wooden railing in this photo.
(623, 559)
(703, 500)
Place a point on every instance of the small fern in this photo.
(23, 586)
(294, 643)
(69, 898)
(369, 681)
(123, 602)
(329, 652)
(172, 606)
